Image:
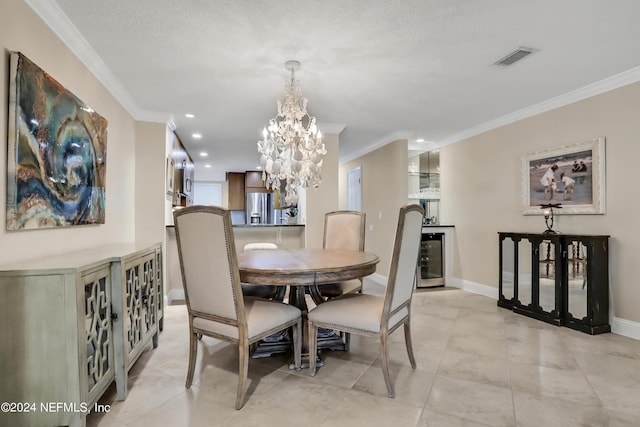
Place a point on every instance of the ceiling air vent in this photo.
(515, 56)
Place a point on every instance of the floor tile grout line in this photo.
(509, 376)
(566, 340)
(154, 407)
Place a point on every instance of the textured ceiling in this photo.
(383, 69)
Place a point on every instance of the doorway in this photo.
(354, 189)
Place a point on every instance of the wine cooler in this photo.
(431, 260)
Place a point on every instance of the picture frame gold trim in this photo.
(588, 193)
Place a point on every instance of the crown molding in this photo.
(597, 88)
(334, 128)
(375, 145)
(423, 146)
(59, 23)
(171, 123)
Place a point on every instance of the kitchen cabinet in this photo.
(424, 185)
(425, 188)
(188, 173)
(254, 184)
(235, 181)
(66, 324)
(184, 172)
(557, 278)
(183, 192)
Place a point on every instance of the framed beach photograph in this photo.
(572, 175)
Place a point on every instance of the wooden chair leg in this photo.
(243, 370)
(313, 348)
(193, 352)
(409, 343)
(297, 345)
(384, 359)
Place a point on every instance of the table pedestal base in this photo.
(274, 344)
(299, 269)
(328, 339)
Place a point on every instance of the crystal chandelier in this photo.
(291, 149)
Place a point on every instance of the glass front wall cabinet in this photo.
(557, 278)
(424, 184)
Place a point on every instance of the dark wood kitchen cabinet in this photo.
(253, 182)
(236, 191)
(560, 279)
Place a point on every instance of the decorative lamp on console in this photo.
(548, 216)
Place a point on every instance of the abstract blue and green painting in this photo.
(57, 153)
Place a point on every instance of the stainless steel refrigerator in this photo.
(260, 209)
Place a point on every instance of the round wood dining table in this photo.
(300, 268)
(304, 267)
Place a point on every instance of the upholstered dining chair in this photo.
(343, 230)
(215, 304)
(376, 315)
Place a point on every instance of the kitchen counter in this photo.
(258, 225)
(266, 225)
(285, 236)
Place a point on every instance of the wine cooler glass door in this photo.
(431, 260)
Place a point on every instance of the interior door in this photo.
(354, 189)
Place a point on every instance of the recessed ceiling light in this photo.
(203, 154)
(420, 140)
(196, 135)
(189, 116)
(259, 168)
(207, 166)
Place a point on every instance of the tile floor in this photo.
(478, 365)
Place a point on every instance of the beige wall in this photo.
(384, 191)
(21, 30)
(480, 176)
(150, 200)
(325, 198)
(481, 187)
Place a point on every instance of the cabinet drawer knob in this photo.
(114, 317)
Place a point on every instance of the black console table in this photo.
(560, 279)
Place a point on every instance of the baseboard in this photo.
(626, 327)
(619, 326)
(467, 285)
(175, 294)
(378, 278)
(473, 287)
